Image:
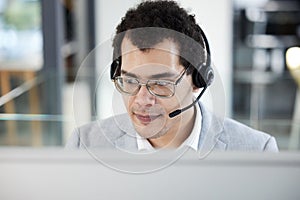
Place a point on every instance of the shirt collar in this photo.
(192, 141)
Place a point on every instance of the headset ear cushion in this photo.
(198, 77)
(113, 68)
(203, 77)
(209, 75)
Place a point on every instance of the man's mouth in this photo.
(145, 118)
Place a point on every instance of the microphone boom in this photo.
(178, 111)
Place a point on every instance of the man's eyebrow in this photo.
(154, 76)
(128, 73)
(164, 75)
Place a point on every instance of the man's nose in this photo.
(144, 97)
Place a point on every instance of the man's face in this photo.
(149, 113)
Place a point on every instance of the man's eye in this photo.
(130, 81)
(161, 83)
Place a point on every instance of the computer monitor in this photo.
(59, 174)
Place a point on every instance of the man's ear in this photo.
(195, 89)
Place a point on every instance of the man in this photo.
(161, 60)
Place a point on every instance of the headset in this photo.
(202, 76)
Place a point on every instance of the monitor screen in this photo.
(60, 174)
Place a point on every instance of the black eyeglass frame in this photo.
(173, 83)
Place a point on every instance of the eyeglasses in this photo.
(159, 88)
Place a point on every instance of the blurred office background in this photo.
(44, 43)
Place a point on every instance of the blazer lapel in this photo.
(127, 140)
(211, 136)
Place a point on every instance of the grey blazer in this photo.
(216, 134)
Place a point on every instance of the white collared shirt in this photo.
(192, 141)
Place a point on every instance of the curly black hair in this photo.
(166, 15)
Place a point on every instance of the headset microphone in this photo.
(178, 111)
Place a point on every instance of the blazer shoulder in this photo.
(238, 136)
(100, 133)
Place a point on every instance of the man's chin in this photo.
(147, 135)
(150, 130)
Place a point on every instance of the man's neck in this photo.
(178, 133)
